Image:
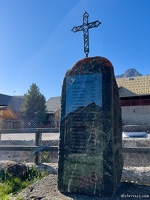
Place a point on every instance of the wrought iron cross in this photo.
(85, 28)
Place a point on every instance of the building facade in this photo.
(9, 110)
(134, 95)
(53, 111)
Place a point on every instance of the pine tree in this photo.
(34, 105)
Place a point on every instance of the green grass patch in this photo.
(11, 186)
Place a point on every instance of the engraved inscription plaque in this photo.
(84, 140)
(83, 90)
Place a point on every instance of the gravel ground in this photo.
(46, 189)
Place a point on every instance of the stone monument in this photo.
(90, 145)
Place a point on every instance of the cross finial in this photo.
(85, 28)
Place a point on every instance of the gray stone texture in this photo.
(90, 145)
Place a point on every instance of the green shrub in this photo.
(13, 185)
(45, 157)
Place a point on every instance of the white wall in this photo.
(136, 115)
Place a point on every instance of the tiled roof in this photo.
(53, 104)
(134, 86)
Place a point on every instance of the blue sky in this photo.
(38, 46)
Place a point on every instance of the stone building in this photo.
(134, 94)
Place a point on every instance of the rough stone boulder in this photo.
(90, 147)
(14, 170)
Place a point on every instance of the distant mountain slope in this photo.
(129, 73)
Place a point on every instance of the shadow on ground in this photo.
(125, 191)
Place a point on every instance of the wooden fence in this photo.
(37, 148)
(136, 128)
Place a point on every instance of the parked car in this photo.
(135, 135)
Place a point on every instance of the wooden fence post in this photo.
(1, 124)
(38, 140)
